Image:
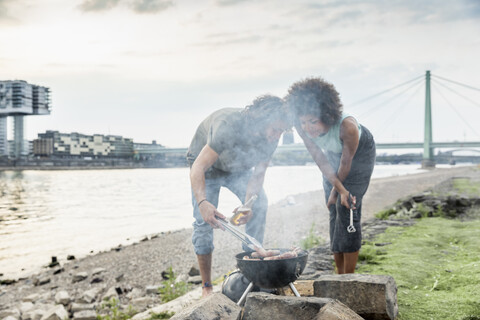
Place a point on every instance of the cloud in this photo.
(98, 5)
(138, 6)
(4, 12)
(225, 39)
(225, 3)
(151, 6)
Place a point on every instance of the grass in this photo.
(172, 289)
(110, 310)
(436, 266)
(311, 240)
(465, 186)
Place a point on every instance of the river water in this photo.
(78, 212)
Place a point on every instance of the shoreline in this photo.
(377, 198)
(140, 265)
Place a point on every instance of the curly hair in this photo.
(315, 96)
(267, 109)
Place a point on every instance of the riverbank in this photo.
(136, 267)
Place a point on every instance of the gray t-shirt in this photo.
(238, 146)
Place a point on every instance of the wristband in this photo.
(198, 204)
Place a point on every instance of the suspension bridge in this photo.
(428, 145)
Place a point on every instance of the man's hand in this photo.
(244, 217)
(209, 214)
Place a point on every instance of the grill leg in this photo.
(244, 295)
(295, 292)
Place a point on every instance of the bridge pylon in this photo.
(428, 161)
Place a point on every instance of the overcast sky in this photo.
(153, 69)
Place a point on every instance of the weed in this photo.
(312, 240)
(385, 214)
(110, 310)
(172, 289)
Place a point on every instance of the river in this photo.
(79, 212)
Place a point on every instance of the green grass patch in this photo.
(110, 310)
(436, 266)
(466, 186)
(172, 289)
(311, 240)
(384, 214)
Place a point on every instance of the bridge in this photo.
(428, 145)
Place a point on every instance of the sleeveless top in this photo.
(330, 141)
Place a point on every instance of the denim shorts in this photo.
(202, 237)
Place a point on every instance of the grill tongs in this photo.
(249, 241)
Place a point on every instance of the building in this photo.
(76, 145)
(18, 99)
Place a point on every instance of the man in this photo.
(232, 148)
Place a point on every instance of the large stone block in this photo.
(336, 310)
(215, 306)
(261, 305)
(371, 296)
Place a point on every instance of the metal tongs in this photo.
(351, 228)
(249, 241)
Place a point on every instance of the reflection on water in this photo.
(60, 213)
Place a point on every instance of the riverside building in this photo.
(18, 99)
(54, 144)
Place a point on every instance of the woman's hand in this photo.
(209, 214)
(332, 199)
(346, 199)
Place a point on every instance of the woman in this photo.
(344, 150)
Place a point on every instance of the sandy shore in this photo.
(140, 265)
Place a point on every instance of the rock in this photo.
(135, 293)
(335, 310)
(89, 296)
(56, 313)
(193, 271)
(62, 297)
(111, 293)
(31, 298)
(75, 307)
(370, 296)
(80, 277)
(261, 305)
(70, 257)
(96, 280)
(33, 315)
(195, 279)
(153, 289)
(97, 271)
(119, 277)
(58, 270)
(10, 318)
(41, 280)
(182, 278)
(54, 262)
(13, 313)
(85, 315)
(7, 282)
(26, 307)
(215, 306)
(140, 304)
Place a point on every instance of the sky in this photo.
(154, 69)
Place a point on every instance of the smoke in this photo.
(138, 6)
